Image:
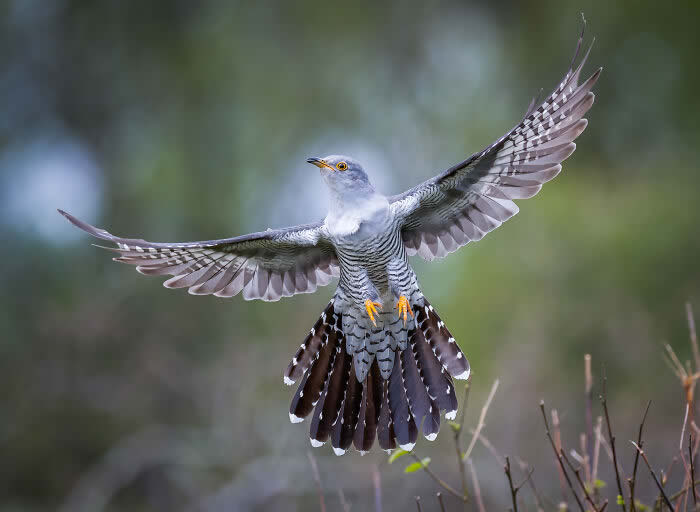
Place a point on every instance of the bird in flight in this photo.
(379, 363)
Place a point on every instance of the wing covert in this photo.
(267, 265)
(475, 196)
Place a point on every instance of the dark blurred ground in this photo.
(182, 120)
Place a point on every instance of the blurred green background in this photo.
(180, 120)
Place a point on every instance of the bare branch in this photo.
(577, 472)
(632, 481)
(477, 489)
(437, 479)
(513, 490)
(588, 376)
(559, 457)
(529, 470)
(596, 449)
(557, 448)
(457, 439)
(611, 437)
(487, 444)
(692, 468)
(377, 482)
(343, 501)
(693, 335)
(442, 505)
(480, 424)
(656, 480)
(418, 504)
(317, 477)
(685, 422)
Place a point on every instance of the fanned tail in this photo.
(392, 411)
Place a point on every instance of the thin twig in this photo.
(343, 501)
(487, 444)
(559, 458)
(685, 422)
(692, 468)
(577, 472)
(557, 444)
(458, 442)
(656, 480)
(529, 470)
(418, 504)
(604, 401)
(513, 490)
(377, 482)
(588, 376)
(437, 479)
(632, 481)
(442, 505)
(317, 477)
(596, 449)
(586, 457)
(477, 489)
(680, 493)
(693, 335)
(480, 424)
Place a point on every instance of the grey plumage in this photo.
(367, 373)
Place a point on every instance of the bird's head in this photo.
(342, 174)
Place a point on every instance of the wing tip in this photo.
(88, 228)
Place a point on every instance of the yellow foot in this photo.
(404, 308)
(371, 308)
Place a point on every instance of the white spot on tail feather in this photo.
(294, 418)
(338, 451)
(464, 375)
(431, 437)
(451, 415)
(315, 442)
(407, 447)
(288, 381)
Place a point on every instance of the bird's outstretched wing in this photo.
(475, 196)
(266, 265)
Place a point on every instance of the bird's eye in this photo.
(342, 166)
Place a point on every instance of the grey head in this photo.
(343, 175)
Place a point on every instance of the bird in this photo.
(379, 364)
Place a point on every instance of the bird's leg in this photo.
(404, 309)
(371, 307)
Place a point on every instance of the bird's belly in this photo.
(367, 255)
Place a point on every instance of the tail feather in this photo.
(423, 409)
(314, 381)
(318, 335)
(390, 408)
(344, 428)
(437, 382)
(328, 409)
(441, 341)
(404, 424)
(366, 430)
(385, 429)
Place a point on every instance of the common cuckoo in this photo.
(379, 363)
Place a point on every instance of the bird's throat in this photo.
(347, 214)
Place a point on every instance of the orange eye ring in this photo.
(342, 166)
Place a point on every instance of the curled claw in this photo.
(404, 308)
(371, 308)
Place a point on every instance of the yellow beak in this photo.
(318, 163)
